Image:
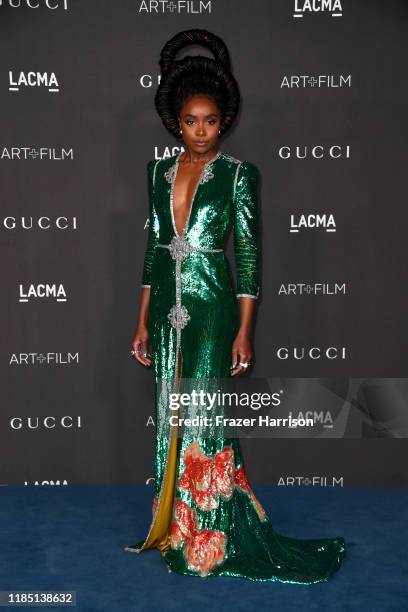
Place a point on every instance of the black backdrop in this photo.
(324, 119)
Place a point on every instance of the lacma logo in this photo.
(44, 483)
(43, 291)
(42, 80)
(332, 7)
(166, 152)
(312, 221)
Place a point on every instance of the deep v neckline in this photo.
(176, 166)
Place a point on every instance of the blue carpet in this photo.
(72, 538)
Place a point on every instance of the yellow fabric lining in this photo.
(159, 536)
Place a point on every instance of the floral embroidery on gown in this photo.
(206, 519)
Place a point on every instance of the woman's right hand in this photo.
(140, 345)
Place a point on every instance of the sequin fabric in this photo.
(214, 524)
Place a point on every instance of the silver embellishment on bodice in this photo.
(179, 247)
(230, 158)
(206, 174)
(178, 316)
(170, 173)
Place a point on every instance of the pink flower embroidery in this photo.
(184, 524)
(208, 477)
(203, 550)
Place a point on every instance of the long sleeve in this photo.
(246, 230)
(153, 231)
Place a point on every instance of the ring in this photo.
(245, 365)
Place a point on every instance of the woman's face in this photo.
(200, 120)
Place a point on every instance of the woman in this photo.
(206, 519)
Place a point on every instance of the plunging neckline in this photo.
(186, 225)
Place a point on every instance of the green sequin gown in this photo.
(206, 519)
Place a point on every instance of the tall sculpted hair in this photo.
(196, 74)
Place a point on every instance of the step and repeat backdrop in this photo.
(323, 117)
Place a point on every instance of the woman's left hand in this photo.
(241, 352)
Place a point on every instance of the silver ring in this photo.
(244, 365)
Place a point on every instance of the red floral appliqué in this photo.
(208, 477)
(203, 550)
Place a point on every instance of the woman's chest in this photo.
(207, 207)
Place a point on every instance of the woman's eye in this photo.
(191, 121)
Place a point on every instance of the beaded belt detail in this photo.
(180, 248)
